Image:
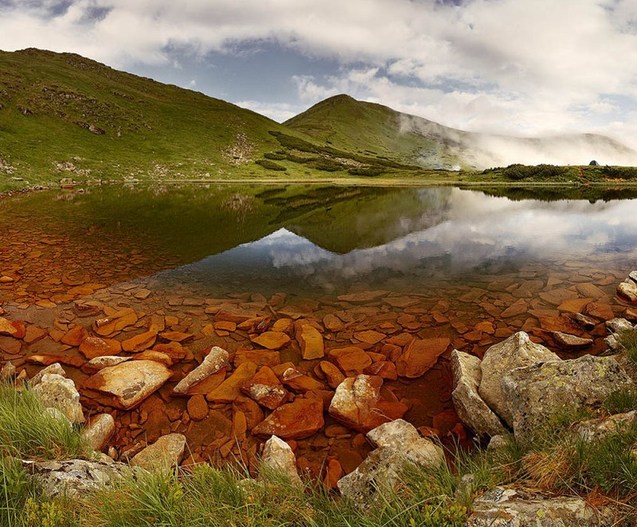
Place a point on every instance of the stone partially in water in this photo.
(352, 360)
(140, 342)
(471, 408)
(500, 359)
(266, 389)
(571, 341)
(215, 360)
(357, 404)
(129, 383)
(230, 389)
(628, 290)
(92, 347)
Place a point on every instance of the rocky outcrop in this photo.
(510, 507)
(163, 454)
(74, 478)
(597, 429)
(471, 408)
(399, 444)
(535, 393)
(515, 352)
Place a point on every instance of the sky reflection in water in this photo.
(464, 232)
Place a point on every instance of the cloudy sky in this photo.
(520, 67)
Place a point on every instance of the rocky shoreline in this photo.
(514, 388)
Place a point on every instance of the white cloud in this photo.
(512, 66)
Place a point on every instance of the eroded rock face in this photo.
(129, 383)
(215, 360)
(163, 454)
(55, 391)
(74, 478)
(515, 352)
(508, 507)
(278, 457)
(537, 392)
(357, 404)
(471, 408)
(399, 444)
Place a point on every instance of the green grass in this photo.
(28, 432)
(628, 339)
(621, 401)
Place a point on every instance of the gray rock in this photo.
(596, 429)
(471, 408)
(515, 352)
(571, 341)
(278, 457)
(509, 507)
(633, 276)
(55, 391)
(628, 290)
(498, 442)
(537, 392)
(614, 346)
(619, 325)
(400, 445)
(74, 478)
(8, 372)
(216, 359)
(98, 431)
(163, 454)
(55, 368)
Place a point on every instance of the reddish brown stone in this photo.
(333, 375)
(299, 382)
(352, 360)
(92, 347)
(574, 305)
(230, 389)
(197, 407)
(140, 342)
(266, 389)
(420, 356)
(258, 357)
(384, 369)
(369, 336)
(272, 340)
(75, 336)
(176, 336)
(333, 473)
(310, 340)
(297, 420)
(600, 311)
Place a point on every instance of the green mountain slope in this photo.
(64, 115)
(369, 128)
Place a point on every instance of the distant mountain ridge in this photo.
(345, 122)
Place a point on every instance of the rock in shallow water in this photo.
(471, 408)
(215, 360)
(129, 383)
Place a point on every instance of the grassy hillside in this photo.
(376, 130)
(64, 115)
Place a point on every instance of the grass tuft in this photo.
(27, 431)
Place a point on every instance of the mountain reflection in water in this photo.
(456, 234)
